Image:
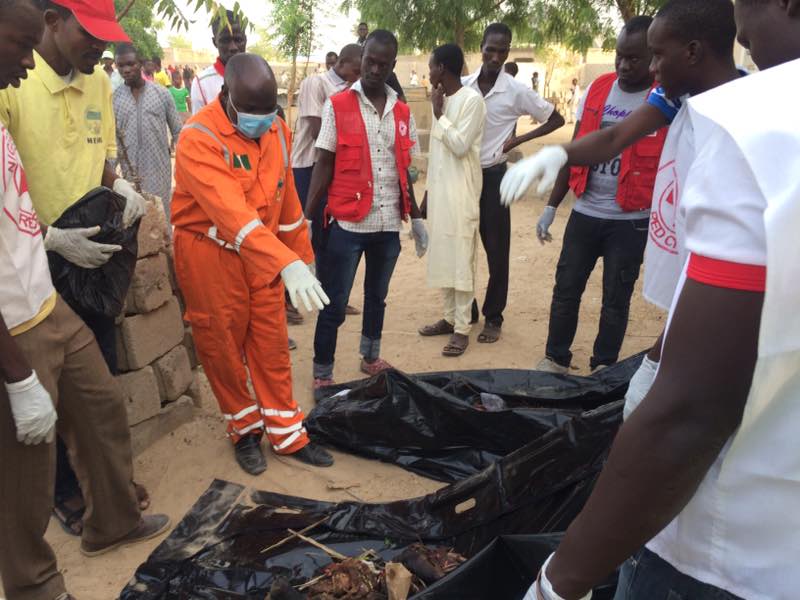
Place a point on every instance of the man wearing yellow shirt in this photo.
(50, 372)
(62, 121)
(161, 76)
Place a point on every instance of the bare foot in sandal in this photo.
(439, 328)
(456, 346)
(490, 334)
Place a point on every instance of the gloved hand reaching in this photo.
(544, 166)
(420, 235)
(542, 589)
(75, 246)
(543, 226)
(640, 384)
(300, 283)
(135, 204)
(33, 411)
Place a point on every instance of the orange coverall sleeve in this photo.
(293, 228)
(202, 171)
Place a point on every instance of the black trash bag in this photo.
(439, 425)
(100, 291)
(215, 552)
(506, 568)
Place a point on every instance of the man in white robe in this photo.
(453, 197)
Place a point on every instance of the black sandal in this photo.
(439, 328)
(490, 334)
(71, 521)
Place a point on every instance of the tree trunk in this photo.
(292, 85)
(627, 9)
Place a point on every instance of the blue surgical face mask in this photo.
(252, 126)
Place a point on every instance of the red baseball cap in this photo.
(98, 17)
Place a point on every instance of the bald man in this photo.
(240, 237)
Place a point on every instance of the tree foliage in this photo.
(425, 24)
(581, 24)
(140, 25)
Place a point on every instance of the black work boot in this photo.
(314, 455)
(249, 454)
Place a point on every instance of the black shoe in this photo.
(314, 455)
(249, 455)
(475, 317)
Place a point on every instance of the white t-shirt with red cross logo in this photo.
(741, 207)
(26, 289)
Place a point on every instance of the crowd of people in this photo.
(266, 221)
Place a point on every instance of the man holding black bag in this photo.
(66, 154)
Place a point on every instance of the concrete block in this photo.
(188, 343)
(150, 285)
(200, 391)
(150, 336)
(173, 373)
(148, 432)
(141, 395)
(420, 161)
(424, 136)
(153, 228)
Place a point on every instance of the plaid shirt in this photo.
(385, 212)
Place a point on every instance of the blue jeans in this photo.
(647, 576)
(337, 273)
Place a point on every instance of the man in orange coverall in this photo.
(240, 237)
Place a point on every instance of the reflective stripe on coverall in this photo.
(238, 223)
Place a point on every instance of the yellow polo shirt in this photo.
(163, 78)
(64, 134)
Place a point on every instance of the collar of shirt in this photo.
(219, 67)
(391, 97)
(500, 86)
(334, 78)
(52, 80)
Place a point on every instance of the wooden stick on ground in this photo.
(329, 551)
(293, 535)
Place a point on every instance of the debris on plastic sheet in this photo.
(430, 564)
(451, 425)
(235, 544)
(99, 291)
(491, 402)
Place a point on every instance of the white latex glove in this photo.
(135, 205)
(542, 589)
(300, 283)
(640, 384)
(543, 226)
(34, 414)
(544, 165)
(75, 246)
(420, 235)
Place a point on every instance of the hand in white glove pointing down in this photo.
(300, 283)
(135, 206)
(544, 166)
(33, 411)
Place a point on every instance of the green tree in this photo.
(177, 40)
(425, 24)
(140, 25)
(262, 45)
(293, 33)
(581, 24)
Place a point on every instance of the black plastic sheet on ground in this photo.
(215, 551)
(432, 424)
(100, 291)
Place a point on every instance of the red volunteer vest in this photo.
(351, 191)
(639, 164)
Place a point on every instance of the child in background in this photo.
(180, 95)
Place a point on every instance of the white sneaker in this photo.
(548, 365)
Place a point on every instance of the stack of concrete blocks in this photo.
(155, 351)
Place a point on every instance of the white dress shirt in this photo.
(506, 102)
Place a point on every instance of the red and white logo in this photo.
(13, 174)
(665, 209)
(403, 128)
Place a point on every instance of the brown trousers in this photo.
(93, 423)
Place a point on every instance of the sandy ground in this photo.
(180, 467)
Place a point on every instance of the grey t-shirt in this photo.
(600, 198)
